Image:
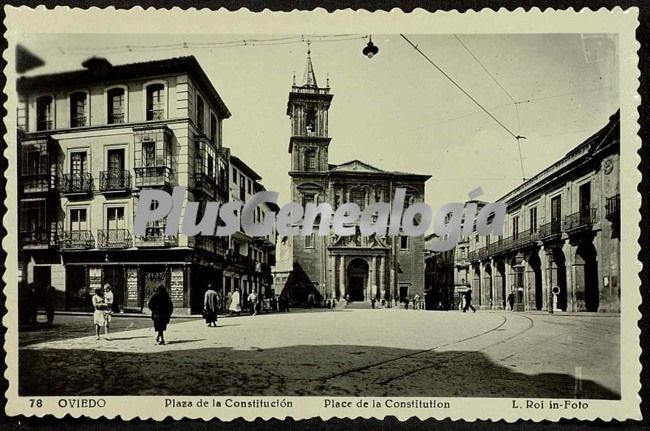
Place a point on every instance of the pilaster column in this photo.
(373, 278)
(382, 276)
(331, 271)
(551, 277)
(342, 275)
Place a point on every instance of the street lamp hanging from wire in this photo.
(371, 49)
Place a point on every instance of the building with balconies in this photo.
(561, 230)
(89, 141)
(249, 259)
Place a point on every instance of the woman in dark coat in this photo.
(161, 308)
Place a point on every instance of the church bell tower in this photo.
(308, 108)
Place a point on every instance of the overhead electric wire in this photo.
(518, 137)
(459, 86)
(285, 40)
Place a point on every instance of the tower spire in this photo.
(310, 76)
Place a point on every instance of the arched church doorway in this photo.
(535, 264)
(586, 270)
(357, 279)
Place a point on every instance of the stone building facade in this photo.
(357, 267)
(88, 142)
(562, 231)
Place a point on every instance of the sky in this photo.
(395, 111)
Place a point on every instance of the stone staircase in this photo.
(357, 305)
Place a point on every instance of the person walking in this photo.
(210, 306)
(511, 301)
(252, 299)
(311, 300)
(108, 300)
(235, 306)
(161, 308)
(468, 300)
(50, 299)
(99, 316)
(416, 302)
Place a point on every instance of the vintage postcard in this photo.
(218, 214)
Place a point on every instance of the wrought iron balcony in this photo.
(205, 184)
(155, 237)
(613, 207)
(580, 220)
(114, 238)
(78, 121)
(76, 240)
(44, 125)
(153, 176)
(77, 184)
(38, 183)
(114, 181)
(116, 118)
(233, 258)
(40, 237)
(155, 114)
(550, 230)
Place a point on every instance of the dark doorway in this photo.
(587, 274)
(403, 292)
(501, 284)
(585, 200)
(488, 285)
(42, 276)
(114, 275)
(77, 296)
(357, 276)
(152, 277)
(556, 210)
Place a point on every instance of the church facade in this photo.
(356, 267)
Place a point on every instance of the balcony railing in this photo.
(114, 238)
(205, 184)
(580, 220)
(155, 114)
(155, 237)
(38, 238)
(114, 181)
(74, 184)
(116, 118)
(44, 125)
(311, 90)
(613, 207)
(551, 229)
(236, 259)
(76, 240)
(79, 121)
(153, 176)
(38, 183)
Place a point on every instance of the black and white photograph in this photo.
(513, 145)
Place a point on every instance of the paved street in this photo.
(346, 353)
